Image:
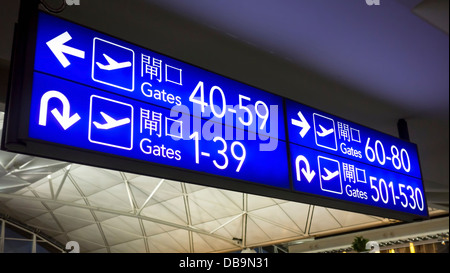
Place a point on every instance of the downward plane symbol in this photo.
(64, 119)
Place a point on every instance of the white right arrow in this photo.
(58, 47)
(65, 119)
(307, 172)
(302, 123)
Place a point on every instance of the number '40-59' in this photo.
(198, 96)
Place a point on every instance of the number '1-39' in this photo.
(222, 152)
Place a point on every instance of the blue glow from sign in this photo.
(85, 56)
(318, 130)
(98, 93)
(332, 176)
(68, 113)
(347, 161)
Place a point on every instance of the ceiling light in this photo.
(248, 250)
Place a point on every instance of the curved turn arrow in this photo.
(307, 172)
(64, 119)
(302, 123)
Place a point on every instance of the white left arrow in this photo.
(58, 47)
(64, 119)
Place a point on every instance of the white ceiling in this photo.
(369, 64)
(94, 208)
(116, 212)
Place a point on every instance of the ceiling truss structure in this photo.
(112, 211)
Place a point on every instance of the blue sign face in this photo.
(339, 159)
(102, 95)
(72, 52)
(98, 93)
(79, 116)
(328, 175)
(317, 130)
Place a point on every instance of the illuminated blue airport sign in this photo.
(98, 93)
(79, 116)
(94, 99)
(321, 131)
(328, 175)
(340, 159)
(79, 54)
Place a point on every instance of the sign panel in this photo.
(98, 93)
(90, 98)
(328, 175)
(340, 159)
(79, 116)
(79, 54)
(321, 131)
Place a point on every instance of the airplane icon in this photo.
(330, 175)
(112, 64)
(324, 131)
(110, 122)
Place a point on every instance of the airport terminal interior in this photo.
(370, 62)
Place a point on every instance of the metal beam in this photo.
(11, 162)
(86, 200)
(118, 212)
(244, 218)
(276, 223)
(150, 196)
(62, 181)
(36, 167)
(2, 235)
(226, 223)
(50, 211)
(188, 216)
(309, 219)
(131, 198)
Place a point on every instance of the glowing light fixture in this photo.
(412, 249)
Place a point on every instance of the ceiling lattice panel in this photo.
(112, 211)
